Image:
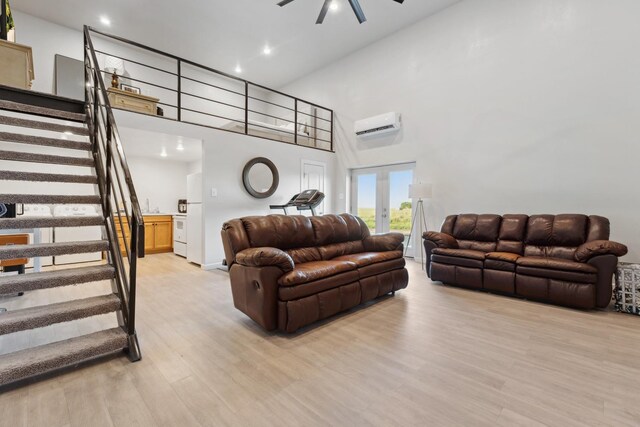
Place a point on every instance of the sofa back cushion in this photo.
(555, 236)
(511, 236)
(279, 231)
(477, 232)
(304, 238)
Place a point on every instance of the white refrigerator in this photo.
(194, 219)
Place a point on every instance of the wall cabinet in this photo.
(158, 234)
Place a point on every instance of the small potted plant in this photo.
(10, 24)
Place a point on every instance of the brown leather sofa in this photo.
(561, 259)
(290, 271)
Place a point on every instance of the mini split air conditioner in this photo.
(379, 125)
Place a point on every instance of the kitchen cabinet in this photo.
(158, 234)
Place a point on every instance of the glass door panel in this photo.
(367, 199)
(400, 211)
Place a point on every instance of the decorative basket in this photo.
(627, 290)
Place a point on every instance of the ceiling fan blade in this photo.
(284, 2)
(355, 5)
(323, 11)
(397, 1)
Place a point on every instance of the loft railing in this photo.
(124, 222)
(192, 93)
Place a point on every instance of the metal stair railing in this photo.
(124, 223)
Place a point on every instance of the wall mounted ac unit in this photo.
(379, 125)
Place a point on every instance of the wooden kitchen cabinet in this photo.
(163, 235)
(158, 234)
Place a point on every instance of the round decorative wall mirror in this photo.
(260, 178)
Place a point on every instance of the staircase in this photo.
(52, 132)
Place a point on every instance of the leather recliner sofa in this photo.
(290, 271)
(561, 259)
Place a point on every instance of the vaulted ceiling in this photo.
(225, 34)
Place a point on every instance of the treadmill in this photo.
(308, 200)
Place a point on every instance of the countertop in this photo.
(163, 214)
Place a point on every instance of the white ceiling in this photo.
(142, 143)
(224, 33)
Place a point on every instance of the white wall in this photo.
(224, 157)
(509, 106)
(194, 167)
(47, 39)
(162, 181)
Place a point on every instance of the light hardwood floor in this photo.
(430, 356)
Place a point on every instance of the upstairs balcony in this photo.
(149, 81)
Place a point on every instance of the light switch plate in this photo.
(214, 192)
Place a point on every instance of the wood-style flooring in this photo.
(430, 356)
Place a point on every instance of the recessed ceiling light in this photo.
(163, 153)
(266, 50)
(334, 6)
(105, 21)
(238, 69)
(180, 147)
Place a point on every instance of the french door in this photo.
(380, 196)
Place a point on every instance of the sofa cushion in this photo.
(482, 228)
(290, 293)
(511, 233)
(456, 260)
(563, 275)
(503, 261)
(556, 264)
(555, 236)
(557, 230)
(279, 231)
(367, 258)
(311, 271)
(302, 255)
(382, 267)
(462, 253)
(330, 229)
(332, 251)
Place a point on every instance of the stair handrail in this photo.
(114, 183)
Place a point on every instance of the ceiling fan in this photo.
(355, 5)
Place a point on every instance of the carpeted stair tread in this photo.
(40, 125)
(39, 317)
(49, 112)
(55, 279)
(46, 358)
(19, 156)
(44, 141)
(48, 222)
(46, 199)
(52, 249)
(47, 177)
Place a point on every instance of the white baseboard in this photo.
(212, 266)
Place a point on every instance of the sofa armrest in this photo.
(384, 242)
(441, 240)
(265, 257)
(599, 247)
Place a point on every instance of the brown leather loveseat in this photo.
(562, 259)
(289, 271)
